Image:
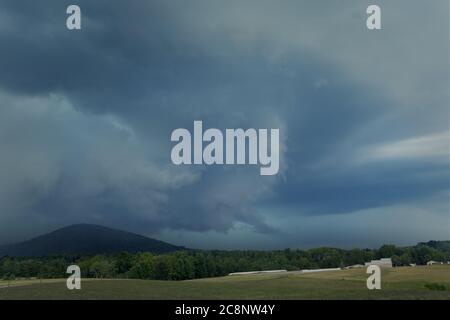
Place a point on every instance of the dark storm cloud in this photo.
(94, 109)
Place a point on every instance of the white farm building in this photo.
(256, 272)
(383, 262)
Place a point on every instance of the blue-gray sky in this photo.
(86, 117)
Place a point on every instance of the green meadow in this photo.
(422, 282)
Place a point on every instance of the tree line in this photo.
(192, 264)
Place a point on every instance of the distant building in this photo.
(430, 263)
(320, 270)
(412, 264)
(256, 272)
(355, 266)
(383, 262)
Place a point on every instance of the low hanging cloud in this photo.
(86, 117)
(60, 165)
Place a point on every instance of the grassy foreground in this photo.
(397, 283)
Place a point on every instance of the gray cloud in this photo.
(86, 116)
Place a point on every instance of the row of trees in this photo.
(200, 264)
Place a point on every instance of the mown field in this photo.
(397, 283)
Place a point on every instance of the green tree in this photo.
(123, 263)
(405, 259)
(144, 266)
(387, 251)
(101, 267)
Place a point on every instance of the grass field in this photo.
(397, 283)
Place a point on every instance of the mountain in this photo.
(86, 239)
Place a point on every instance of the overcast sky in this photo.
(86, 118)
